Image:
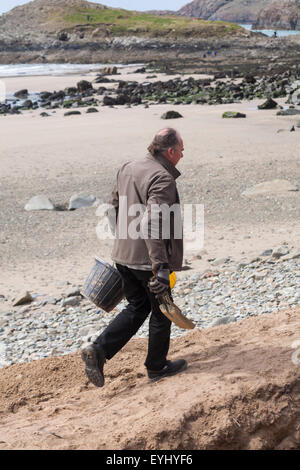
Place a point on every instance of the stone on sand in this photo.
(171, 115)
(24, 298)
(77, 201)
(233, 114)
(38, 203)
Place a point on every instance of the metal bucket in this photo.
(104, 286)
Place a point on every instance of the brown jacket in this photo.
(147, 181)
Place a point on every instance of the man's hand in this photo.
(161, 281)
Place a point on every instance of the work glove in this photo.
(161, 281)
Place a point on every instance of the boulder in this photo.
(84, 85)
(171, 115)
(270, 187)
(45, 95)
(71, 113)
(77, 201)
(23, 299)
(269, 104)
(109, 101)
(71, 91)
(27, 104)
(92, 110)
(38, 203)
(233, 114)
(22, 94)
(57, 95)
(141, 70)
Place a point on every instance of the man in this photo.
(144, 262)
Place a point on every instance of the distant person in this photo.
(275, 34)
(215, 53)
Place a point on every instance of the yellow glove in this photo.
(172, 279)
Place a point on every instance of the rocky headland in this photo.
(279, 15)
(227, 10)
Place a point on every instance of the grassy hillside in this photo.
(123, 22)
(98, 21)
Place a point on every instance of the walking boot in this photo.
(94, 360)
(171, 368)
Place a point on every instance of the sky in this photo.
(139, 5)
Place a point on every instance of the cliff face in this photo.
(280, 15)
(228, 10)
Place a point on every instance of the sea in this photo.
(270, 32)
(25, 70)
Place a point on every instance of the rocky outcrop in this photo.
(279, 15)
(227, 10)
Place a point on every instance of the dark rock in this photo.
(92, 110)
(62, 36)
(15, 110)
(44, 114)
(292, 129)
(27, 104)
(269, 104)
(45, 95)
(141, 70)
(22, 94)
(135, 100)
(84, 85)
(109, 101)
(122, 99)
(171, 115)
(102, 79)
(71, 113)
(71, 91)
(59, 95)
(250, 79)
(233, 114)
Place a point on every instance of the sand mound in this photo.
(240, 391)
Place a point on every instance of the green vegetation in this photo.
(125, 23)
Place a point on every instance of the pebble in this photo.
(209, 299)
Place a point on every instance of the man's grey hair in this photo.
(163, 140)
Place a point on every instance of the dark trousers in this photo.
(140, 303)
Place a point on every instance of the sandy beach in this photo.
(60, 156)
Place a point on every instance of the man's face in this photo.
(176, 153)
